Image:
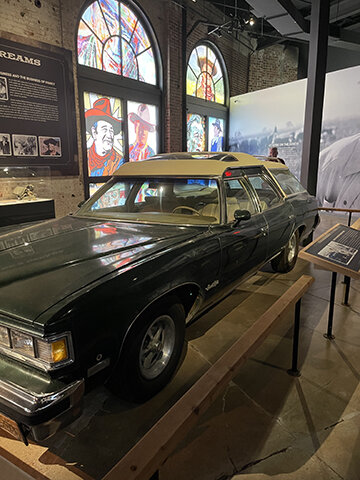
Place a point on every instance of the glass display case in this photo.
(25, 195)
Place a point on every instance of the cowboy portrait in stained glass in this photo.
(104, 154)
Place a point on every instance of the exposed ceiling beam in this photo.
(286, 18)
(295, 15)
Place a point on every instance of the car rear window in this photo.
(288, 182)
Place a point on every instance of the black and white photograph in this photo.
(3, 89)
(5, 144)
(50, 146)
(338, 252)
(25, 145)
(273, 118)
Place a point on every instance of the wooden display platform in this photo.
(144, 459)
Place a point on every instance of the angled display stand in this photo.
(336, 250)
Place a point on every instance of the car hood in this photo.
(44, 263)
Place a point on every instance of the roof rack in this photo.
(220, 156)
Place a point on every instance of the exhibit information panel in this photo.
(37, 121)
(340, 246)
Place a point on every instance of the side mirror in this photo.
(241, 215)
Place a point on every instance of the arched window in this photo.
(207, 99)
(204, 76)
(112, 38)
(120, 88)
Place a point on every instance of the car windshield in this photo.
(193, 201)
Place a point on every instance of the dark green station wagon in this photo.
(104, 295)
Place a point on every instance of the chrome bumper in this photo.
(26, 406)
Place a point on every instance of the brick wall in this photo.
(272, 66)
(55, 23)
(45, 24)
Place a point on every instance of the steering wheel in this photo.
(179, 207)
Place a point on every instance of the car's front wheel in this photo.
(151, 353)
(286, 260)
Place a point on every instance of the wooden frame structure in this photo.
(146, 457)
(143, 461)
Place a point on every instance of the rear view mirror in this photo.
(241, 215)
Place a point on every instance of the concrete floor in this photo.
(266, 424)
(271, 425)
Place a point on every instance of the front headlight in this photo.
(4, 337)
(46, 353)
(22, 343)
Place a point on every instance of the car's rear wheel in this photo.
(286, 260)
(151, 353)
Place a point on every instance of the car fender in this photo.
(190, 312)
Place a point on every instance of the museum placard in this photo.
(37, 118)
(340, 246)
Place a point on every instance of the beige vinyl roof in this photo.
(192, 164)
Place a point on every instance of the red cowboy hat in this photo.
(102, 111)
(143, 116)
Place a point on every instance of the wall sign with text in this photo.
(37, 114)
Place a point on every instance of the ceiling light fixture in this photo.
(234, 25)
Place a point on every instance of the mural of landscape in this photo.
(274, 117)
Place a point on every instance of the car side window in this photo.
(287, 181)
(267, 194)
(237, 198)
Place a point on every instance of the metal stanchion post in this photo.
(329, 334)
(347, 280)
(293, 371)
(346, 291)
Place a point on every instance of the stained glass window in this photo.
(104, 134)
(204, 76)
(195, 133)
(215, 134)
(142, 131)
(111, 38)
(94, 187)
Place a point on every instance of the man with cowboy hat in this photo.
(218, 139)
(103, 159)
(205, 86)
(139, 150)
(52, 145)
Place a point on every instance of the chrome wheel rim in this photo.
(292, 248)
(157, 347)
